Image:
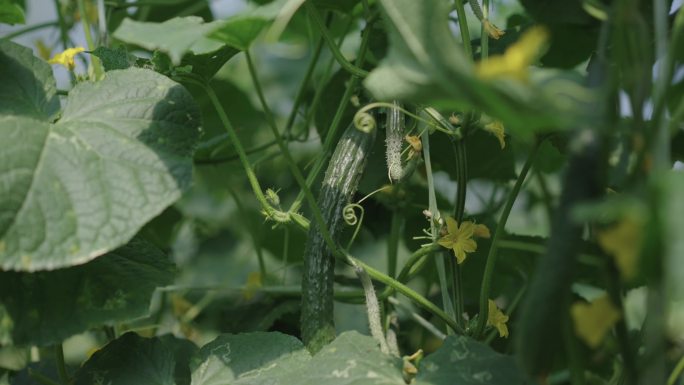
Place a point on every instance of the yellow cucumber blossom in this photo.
(518, 57)
(623, 241)
(497, 319)
(460, 238)
(66, 58)
(254, 283)
(594, 320)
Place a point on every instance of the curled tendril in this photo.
(364, 121)
(349, 214)
(350, 218)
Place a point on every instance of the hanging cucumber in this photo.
(546, 306)
(339, 185)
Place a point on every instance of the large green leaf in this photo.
(73, 190)
(134, 360)
(175, 37)
(47, 307)
(464, 361)
(28, 87)
(426, 64)
(11, 13)
(250, 358)
(241, 359)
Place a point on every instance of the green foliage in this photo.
(113, 288)
(63, 172)
(11, 12)
(185, 151)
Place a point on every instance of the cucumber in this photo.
(546, 306)
(339, 185)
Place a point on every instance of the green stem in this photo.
(304, 84)
(30, 28)
(546, 196)
(484, 36)
(621, 332)
(676, 372)
(447, 301)
(492, 255)
(97, 66)
(346, 64)
(409, 293)
(463, 26)
(61, 366)
(285, 151)
(63, 33)
(331, 134)
(459, 211)
(269, 210)
(393, 243)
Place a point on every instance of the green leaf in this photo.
(73, 190)
(464, 361)
(175, 37)
(238, 359)
(241, 30)
(114, 58)
(351, 359)
(28, 87)
(134, 360)
(47, 307)
(427, 65)
(11, 13)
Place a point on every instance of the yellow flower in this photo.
(517, 58)
(623, 242)
(459, 238)
(497, 319)
(593, 320)
(252, 286)
(66, 58)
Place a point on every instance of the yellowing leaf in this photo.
(623, 241)
(496, 128)
(593, 320)
(518, 57)
(66, 58)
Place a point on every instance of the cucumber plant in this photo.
(197, 196)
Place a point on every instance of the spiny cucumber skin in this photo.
(394, 137)
(339, 185)
(546, 307)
